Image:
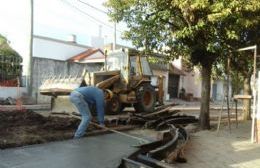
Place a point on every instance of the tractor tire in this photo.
(113, 106)
(146, 98)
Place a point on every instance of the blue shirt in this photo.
(94, 96)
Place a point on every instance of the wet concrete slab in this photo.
(104, 151)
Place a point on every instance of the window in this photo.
(145, 66)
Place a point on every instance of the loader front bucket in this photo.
(60, 86)
(62, 104)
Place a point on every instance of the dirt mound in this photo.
(18, 118)
(23, 128)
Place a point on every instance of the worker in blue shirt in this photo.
(83, 98)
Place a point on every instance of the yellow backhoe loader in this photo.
(126, 79)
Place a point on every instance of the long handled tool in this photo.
(121, 133)
(141, 140)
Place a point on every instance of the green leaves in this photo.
(231, 34)
(10, 60)
(180, 27)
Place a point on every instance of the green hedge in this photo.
(10, 66)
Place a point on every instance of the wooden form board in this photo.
(242, 96)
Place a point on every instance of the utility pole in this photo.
(29, 70)
(228, 82)
(114, 41)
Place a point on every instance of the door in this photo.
(173, 85)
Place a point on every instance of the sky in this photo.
(56, 19)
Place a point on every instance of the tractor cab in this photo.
(134, 68)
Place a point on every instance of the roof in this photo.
(60, 41)
(176, 71)
(86, 54)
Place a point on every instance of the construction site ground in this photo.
(20, 128)
(204, 149)
(225, 149)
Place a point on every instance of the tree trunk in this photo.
(247, 102)
(205, 97)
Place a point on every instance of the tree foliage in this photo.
(199, 30)
(10, 60)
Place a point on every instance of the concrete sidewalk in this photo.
(206, 149)
(104, 151)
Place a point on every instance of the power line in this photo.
(93, 18)
(93, 7)
(83, 12)
(98, 9)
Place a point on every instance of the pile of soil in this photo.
(18, 128)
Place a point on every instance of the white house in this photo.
(45, 47)
(191, 82)
(50, 58)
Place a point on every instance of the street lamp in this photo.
(254, 90)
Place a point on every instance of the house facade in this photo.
(191, 83)
(50, 58)
(161, 70)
